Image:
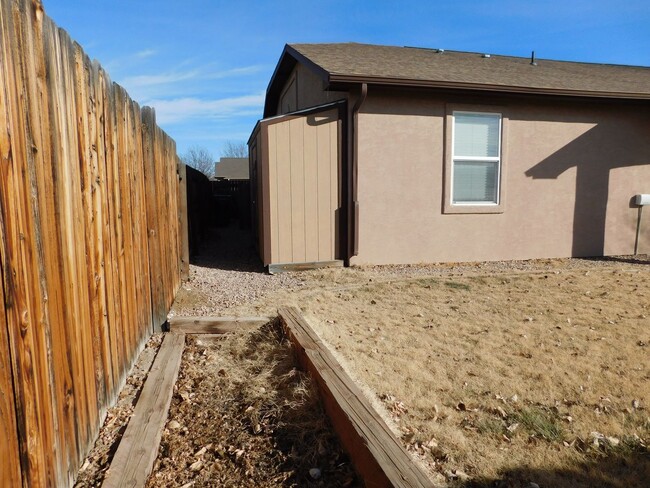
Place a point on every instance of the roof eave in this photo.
(411, 83)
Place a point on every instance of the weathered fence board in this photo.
(90, 244)
(9, 460)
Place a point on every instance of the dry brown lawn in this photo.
(512, 373)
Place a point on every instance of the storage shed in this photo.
(298, 177)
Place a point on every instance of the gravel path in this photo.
(227, 273)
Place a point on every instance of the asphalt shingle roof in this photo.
(415, 66)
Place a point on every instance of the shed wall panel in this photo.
(304, 187)
(311, 199)
(298, 162)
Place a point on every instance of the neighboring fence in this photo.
(233, 198)
(90, 244)
(200, 208)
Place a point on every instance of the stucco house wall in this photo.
(569, 172)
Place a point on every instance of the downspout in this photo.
(353, 171)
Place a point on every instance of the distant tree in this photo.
(200, 159)
(234, 150)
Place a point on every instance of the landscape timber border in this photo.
(376, 454)
(138, 448)
(214, 325)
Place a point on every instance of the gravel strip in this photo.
(227, 273)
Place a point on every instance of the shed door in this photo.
(304, 189)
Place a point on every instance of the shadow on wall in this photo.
(630, 470)
(604, 147)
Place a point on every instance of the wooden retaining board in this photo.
(378, 456)
(214, 325)
(138, 448)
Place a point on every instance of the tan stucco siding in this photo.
(304, 89)
(569, 172)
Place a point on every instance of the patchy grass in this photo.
(457, 286)
(510, 373)
(540, 423)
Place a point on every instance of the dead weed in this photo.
(243, 415)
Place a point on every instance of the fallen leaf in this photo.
(513, 427)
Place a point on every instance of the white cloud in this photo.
(183, 109)
(244, 70)
(161, 79)
(178, 76)
(146, 53)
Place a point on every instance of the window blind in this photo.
(475, 181)
(476, 135)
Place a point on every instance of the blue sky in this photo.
(205, 65)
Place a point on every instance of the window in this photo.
(476, 158)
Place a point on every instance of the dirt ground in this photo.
(524, 373)
(498, 374)
(243, 416)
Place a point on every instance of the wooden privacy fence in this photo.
(90, 244)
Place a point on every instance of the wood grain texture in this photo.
(377, 454)
(138, 448)
(77, 265)
(214, 325)
(9, 459)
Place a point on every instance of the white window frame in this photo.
(492, 159)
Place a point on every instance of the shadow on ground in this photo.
(628, 470)
(638, 259)
(229, 248)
